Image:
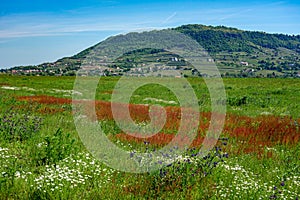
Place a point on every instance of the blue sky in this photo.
(32, 32)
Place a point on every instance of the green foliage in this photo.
(46, 164)
(188, 171)
(9, 167)
(237, 101)
(220, 38)
(247, 177)
(16, 126)
(53, 149)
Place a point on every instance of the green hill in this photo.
(235, 52)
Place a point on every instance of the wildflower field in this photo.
(257, 155)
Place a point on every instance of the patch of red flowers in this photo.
(252, 134)
(44, 99)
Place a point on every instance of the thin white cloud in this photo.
(169, 18)
(235, 14)
(35, 25)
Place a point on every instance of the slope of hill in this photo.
(248, 53)
(236, 53)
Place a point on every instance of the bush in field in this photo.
(186, 172)
(18, 127)
(237, 101)
(53, 149)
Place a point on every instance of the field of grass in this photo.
(256, 156)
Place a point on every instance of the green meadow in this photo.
(256, 156)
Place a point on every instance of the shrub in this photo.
(18, 127)
(53, 149)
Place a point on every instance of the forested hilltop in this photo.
(223, 39)
(237, 53)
